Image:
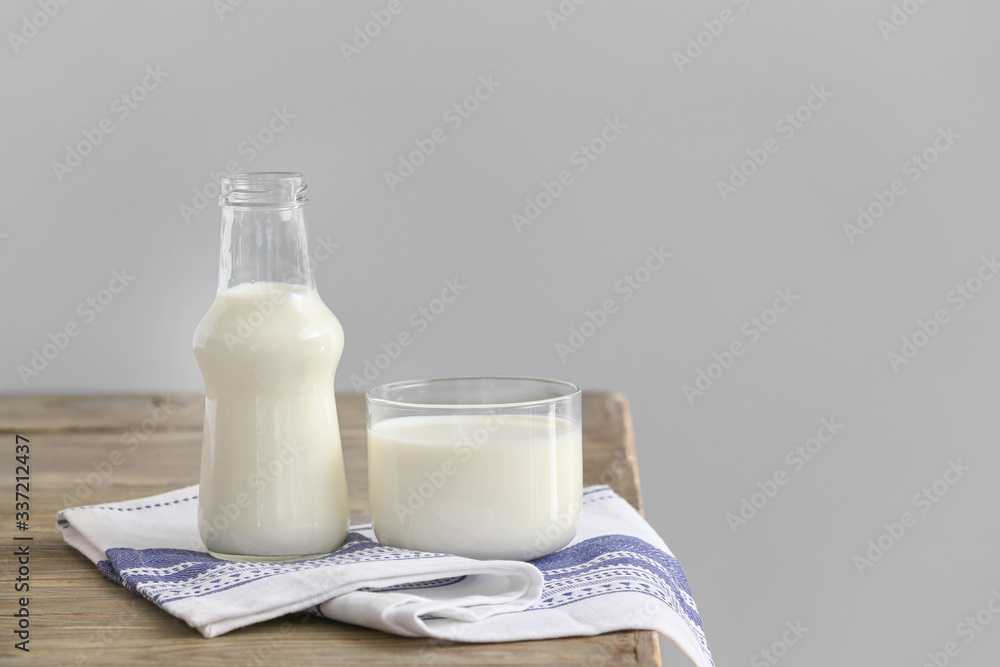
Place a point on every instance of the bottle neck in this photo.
(264, 245)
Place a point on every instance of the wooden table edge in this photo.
(647, 644)
(647, 648)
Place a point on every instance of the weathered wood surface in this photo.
(78, 617)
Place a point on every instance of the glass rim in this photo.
(262, 189)
(371, 398)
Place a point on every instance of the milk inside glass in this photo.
(483, 486)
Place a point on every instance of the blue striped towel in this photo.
(617, 574)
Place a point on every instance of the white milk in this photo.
(272, 470)
(504, 486)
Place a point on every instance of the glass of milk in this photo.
(487, 467)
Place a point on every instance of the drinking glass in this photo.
(483, 467)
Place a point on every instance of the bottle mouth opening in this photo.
(272, 189)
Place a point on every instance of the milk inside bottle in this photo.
(273, 485)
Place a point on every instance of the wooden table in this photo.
(78, 617)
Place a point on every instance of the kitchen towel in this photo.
(617, 574)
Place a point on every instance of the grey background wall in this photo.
(746, 135)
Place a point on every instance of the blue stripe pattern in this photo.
(168, 575)
(592, 568)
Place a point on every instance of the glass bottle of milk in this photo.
(273, 485)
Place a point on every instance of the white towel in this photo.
(617, 574)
